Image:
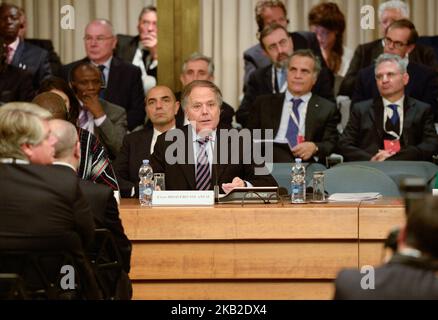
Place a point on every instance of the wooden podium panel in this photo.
(252, 252)
(234, 290)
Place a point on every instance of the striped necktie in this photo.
(292, 128)
(203, 176)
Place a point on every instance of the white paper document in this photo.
(354, 197)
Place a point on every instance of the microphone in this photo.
(214, 167)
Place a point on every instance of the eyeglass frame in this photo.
(97, 39)
(397, 44)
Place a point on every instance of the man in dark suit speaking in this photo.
(197, 157)
(393, 126)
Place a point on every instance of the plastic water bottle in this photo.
(146, 184)
(298, 182)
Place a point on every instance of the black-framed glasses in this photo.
(397, 44)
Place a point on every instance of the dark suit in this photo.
(124, 88)
(366, 54)
(33, 59)
(126, 49)
(15, 85)
(322, 118)
(403, 278)
(54, 60)
(106, 215)
(422, 85)
(41, 201)
(113, 129)
(226, 117)
(136, 147)
(364, 134)
(181, 175)
(260, 83)
(255, 57)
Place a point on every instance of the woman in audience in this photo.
(95, 164)
(328, 22)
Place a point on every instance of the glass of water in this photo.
(159, 182)
(318, 187)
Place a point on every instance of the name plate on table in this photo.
(182, 198)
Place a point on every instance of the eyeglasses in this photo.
(97, 39)
(389, 76)
(397, 44)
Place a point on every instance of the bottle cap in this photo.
(145, 161)
(298, 160)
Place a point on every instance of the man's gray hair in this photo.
(21, 123)
(402, 6)
(388, 57)
(196, 57)
(146, 10)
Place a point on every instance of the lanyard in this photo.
(274, 80)
(392, 133)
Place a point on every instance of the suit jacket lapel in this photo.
(113, 78)
(376, 116)
(408, 118)
(276, 110)
(311, 118)
(18, 53)
(188, 168)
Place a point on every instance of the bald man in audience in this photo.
(100, 197)
(161, 108)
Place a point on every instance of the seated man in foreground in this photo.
(392, 126)
(410, 274)
(188, 156)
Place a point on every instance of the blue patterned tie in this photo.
(292, 128)
(395, 116)
(203, 177)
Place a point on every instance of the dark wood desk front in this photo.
(255, 251)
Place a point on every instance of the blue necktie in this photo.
(203, 177)
(395, 116)
(292, 127)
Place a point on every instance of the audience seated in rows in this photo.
(400, 39)
(303, 123)
(268, 12)
(271, 79)
(122, 80)
(365, 54)
(141, 50)
(94, 165)
(393, 126)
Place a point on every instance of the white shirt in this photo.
(13, 161)
(147, 80)
(286, 114)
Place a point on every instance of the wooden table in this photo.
(255, 251)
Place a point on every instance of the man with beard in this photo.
(279, 46)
